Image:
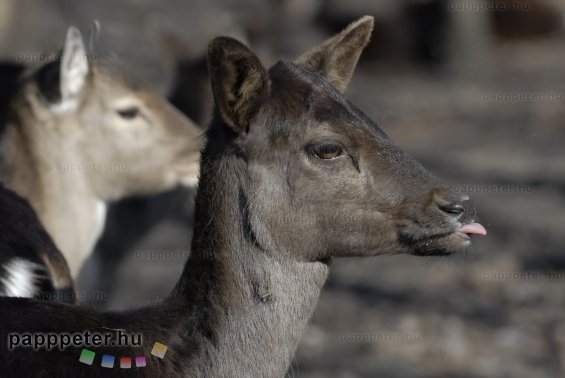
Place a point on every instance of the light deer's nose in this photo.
(453, 208)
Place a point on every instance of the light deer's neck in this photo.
(253, 305)
(45, 168)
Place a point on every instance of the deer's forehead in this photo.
(304, 97)
(108, 82)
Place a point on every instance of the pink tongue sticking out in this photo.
(473, 228)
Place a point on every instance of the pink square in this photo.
(140, 361)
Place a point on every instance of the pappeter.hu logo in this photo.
(62, 341)
(85, 340)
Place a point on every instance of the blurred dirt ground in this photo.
(495, 131)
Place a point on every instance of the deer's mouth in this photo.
(448, 242)
(466, 230)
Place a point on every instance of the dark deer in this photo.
(293, 175)
(30, 264)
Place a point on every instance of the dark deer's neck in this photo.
(249, 305)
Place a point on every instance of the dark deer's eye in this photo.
(327, 151)
(129, 113)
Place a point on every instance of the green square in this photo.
(87, 356)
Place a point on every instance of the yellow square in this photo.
(159, 350)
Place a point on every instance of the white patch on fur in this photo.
(190, 175)
(190, 181)
(101, 211)
(21, 278)
(65, 106)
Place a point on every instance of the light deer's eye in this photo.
(327, 151)
(129, 113)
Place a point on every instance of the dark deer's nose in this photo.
(453, 208)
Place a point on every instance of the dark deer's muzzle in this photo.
(442, 224)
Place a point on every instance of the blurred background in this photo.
(475, 90)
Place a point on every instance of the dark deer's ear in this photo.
(336, 58)
(239, 82)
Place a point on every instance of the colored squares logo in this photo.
(86, 356)
(140, 361)
(125, 362)
(159, 350)
(108, 361)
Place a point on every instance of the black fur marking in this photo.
(48, 81)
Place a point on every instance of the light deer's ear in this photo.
(337, 58)
(74, 65)
(239, 82)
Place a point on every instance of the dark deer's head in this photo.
(315, 174)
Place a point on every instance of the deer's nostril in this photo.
(454, 208)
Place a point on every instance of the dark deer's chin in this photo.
(443, 246)
(446, 243)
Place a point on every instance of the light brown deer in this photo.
(80, 133)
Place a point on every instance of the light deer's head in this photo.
(128, 139)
